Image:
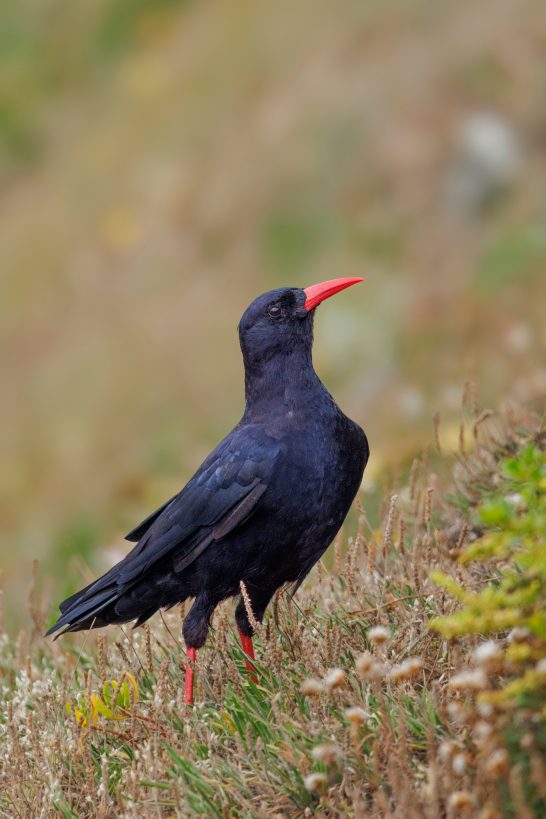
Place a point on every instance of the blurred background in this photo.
(162, 163)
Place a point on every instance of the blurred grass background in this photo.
(162, 163)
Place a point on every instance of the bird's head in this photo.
(281, 321)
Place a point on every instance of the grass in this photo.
(362, 709)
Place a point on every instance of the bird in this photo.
(261, 509)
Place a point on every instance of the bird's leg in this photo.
(259, 599)
(248, 648)
(191, 655)
(195, 630)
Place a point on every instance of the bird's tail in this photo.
(107, 601)
(84, 610)
(91, 607)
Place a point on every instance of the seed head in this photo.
(498, 762)
(541, 666)
(461, 802)
(487, 655)
(356, 715)
(311, 687)
(335, 678)
(469, 680)
(378, 635)
(406, 670)
(519, 635)
(315, 782)
(459, 764)
(328, 753)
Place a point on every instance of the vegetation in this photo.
(160, 164)
(362, 708)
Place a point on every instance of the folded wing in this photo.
(221, 496)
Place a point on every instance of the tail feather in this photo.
(83, 608)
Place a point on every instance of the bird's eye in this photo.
(274, 311)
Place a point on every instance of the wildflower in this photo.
(335, 678)
(328, 754)
(311, 687)
(498, 762)
(356, 715)
(315, 782)
(471, 680)
(378, 635)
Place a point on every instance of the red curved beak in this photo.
(318, 292)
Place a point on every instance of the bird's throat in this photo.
(280, 384)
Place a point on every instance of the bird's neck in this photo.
(285, 382)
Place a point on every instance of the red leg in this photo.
(248, 648)
(191, 654)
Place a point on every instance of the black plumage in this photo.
(262, 508)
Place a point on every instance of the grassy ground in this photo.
(362, 709)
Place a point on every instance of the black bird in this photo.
(265, 504)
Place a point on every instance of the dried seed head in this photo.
(519, 635)
(328, 753)
(335, 678)
(485, 709)
(447, 749)
(363, 663)
(461, 802)
(458, 764)
(487, 655)
(311, 687)
(482, 731)
(315, 782)
(368, 667)
(541, 666)
(406, 670)
(378, 635)
(457, 712)
(470, 680)
(357, 715)
(498, 762)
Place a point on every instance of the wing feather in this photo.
(221, 496)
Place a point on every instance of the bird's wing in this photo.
(222, 494)
(140, 530)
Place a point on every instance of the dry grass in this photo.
(357, 711)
